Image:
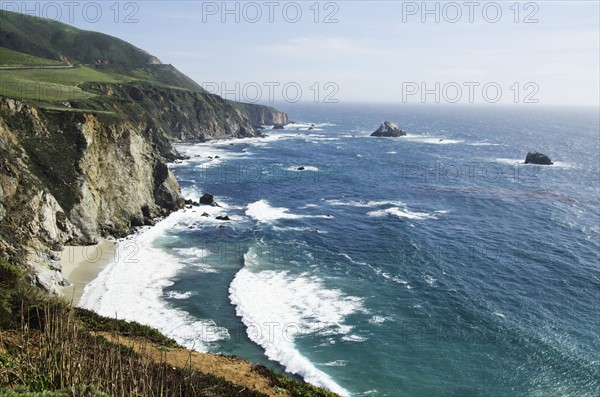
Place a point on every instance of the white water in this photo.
(278, 307)
(263, 212)
(402, 213)
(131, 288)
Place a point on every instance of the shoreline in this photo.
(81, 265)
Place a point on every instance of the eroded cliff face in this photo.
(186, 115)
(71, 177)
(262, 115)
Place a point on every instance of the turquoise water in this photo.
(433, 264)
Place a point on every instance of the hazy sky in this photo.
(375, 51)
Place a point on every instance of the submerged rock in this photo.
(278, 126)
(388, 129)
(537, 158)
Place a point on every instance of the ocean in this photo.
(436, 264)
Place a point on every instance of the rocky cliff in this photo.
(184, 115)
(71, 177)
(262, 115)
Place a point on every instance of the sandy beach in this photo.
(80, 265)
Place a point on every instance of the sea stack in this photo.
(537, 158)
(388, 129)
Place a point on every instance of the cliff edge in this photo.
(69, 178)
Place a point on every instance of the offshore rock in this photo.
(388, 129)
(207, 199)
(537, 158)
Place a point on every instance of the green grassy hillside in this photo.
(32, 42)
(51, 85)
(50, 39)
(12, 58)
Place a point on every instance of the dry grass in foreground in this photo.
(50, 349)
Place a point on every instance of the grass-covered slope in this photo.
(51, 85)
(12, 58)
(55, 43)
(54, 40)
(55, 66)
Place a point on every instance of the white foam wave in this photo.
(202, 151)
(298, 229)
(194, 256)
(131, 288)
(364, 204)
(372, 392)
(375, 320)
(191, 192)
(310, 206)
(209, 155)
(336, 363)
(398, 280)
(432, 140)
(484, 144)
(402, 213)
(352, 260)
(307, 125)
(563, 164)
(203, 268)
(277, 307)
(263, 212)
(321, 137)
(179, 295)
(353, 338)
(193, 252)
(430, 280)
(511, 161)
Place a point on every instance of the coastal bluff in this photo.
(70, 177)
(85, 154)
